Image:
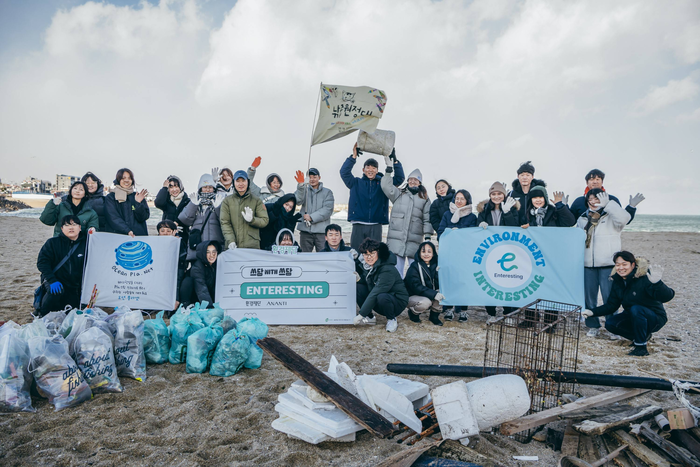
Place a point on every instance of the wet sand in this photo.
(176, 418)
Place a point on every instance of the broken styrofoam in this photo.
(334, 423)
(392, 401)
(454, 411)
(413, 390)
(346, 378)
(300, 394)
(305, 432)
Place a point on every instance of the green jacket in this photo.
(235, 228)
(53, 214)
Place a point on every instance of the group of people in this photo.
(229, 210)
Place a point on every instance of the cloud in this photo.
(520, 141)
(693, 116)
(660, 97)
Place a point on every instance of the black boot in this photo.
(639, 351)
(435, 318)
(413, 316)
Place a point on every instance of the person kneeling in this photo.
(423, 286)
(640, 292)
(201, 284)
(387, 292)
(60, 262)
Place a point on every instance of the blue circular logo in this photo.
(134, 255)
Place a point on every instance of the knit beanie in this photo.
(416, 174)
(526, 167)
(538, 191)
(498, 186)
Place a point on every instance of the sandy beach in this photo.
(176, 418)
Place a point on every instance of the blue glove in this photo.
(56, 288)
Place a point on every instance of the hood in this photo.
(279, 235)
(179, 182)
(386, 256)
(482, 205)
(449, 195)
(535, 182)
(269, 178)
(205, 180)
(279, 204)
(420, 247)
(201, 254)
(81, 236)
(640, 270)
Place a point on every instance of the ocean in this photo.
(641, 222)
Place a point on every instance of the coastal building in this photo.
(63, 182)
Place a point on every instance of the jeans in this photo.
(636, 324)
(593, 279)
(307, 241)
(388, 305)
(57, 302)
(401, 264)
(362, 231)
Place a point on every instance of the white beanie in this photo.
(416, 174)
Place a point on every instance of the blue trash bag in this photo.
(156, 339)
(210, 315)
(182, 325)
(230, 355)
(227, 324)
(15, 378)
(201, 346)
(254, 329)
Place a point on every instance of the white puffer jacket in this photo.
(607, 236)
(410, 219)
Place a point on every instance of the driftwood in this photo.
(645, 454)
(674, 452)
(610, 422)
(596, 412)
(610, 446)
(587, 450)
(569, 447)
(409, 456)
(686, 440)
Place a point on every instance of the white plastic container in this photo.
(380, 142)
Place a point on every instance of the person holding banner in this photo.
(126, 210)
(60, 262)
(641, 293)
(242, 215)
(202, 216)
(201, 285)
(387, 292)
(410, 218)
(594, 179)
(74, 203)
(368, 206)
(521, 187)
(423, 285)
(444, 194)
(96, 197)
(543, 213)
(603, 223)
(317, 204)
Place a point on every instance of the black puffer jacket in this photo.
(204, 274)
(517, 192)
(510, 218)
(439, 207)
(556, 216)
(279, 219)
(128, 216)
(422, 279)
(637, 289)
(96, 201)
(165, 204)
(384, 278)
(53, 251)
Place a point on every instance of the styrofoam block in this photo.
(498, 399)
(392, 401)
(454, 411)
(305, 432)
(346, 378)
(300, 395)
(413, 390)
(299, 384)
(422, 402)
(334, 423)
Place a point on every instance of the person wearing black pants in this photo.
(641, 292)
(387, 293)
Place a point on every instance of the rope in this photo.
(679, 389)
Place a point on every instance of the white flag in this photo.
(344, 109)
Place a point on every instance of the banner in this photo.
(344, 109)
(138, 272)
(306, 288)
(510, 266)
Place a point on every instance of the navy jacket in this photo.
(128, 216)
(53, 252)
(368, 203)
(463, 223)
(517, 193)
(579, 206)
(439, 207)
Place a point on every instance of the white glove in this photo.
(232, 246)
(439, 297)
(57, 200)
(308, 223)
(484, 225)
(357, 277)
(635, 200)
(587, 313)
(389, 162)
(565, 200)
(437, 268)
(247, 214)
(508, 204)
(604, 199)
(91, 231)
(655, 273)
(354, 253)
(194, 199)
(215, 174)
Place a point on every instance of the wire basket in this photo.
(536, 342)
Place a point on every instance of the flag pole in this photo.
(311, 141)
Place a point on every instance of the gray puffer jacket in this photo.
(410, 219)
(319, 205)
(194, 215)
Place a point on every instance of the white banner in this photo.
(138, 272)
(344, 109)
(306, 288)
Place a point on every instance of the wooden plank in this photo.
(596, 412)
(686, 440)
(550, 415)
(610, 422)
(645, 454)
(408, 457)
(351, 405)
(586, 450)
(674, 452)
(621, 460)
(569, 447)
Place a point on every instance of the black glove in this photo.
(392, 156)
(296, 217)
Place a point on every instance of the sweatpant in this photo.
(419, 304)
(361, 293)
(307, 241)
(491, 310)
(636, 324)
(388, 305)
(401, 264)
(58, 301)
(362, 231)
(594, 279)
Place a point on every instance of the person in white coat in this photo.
(409, 224)
(603, 223)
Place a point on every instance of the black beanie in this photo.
(527, 167)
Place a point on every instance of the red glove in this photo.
(256, 162)
(299, 177)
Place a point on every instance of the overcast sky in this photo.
(474, 89)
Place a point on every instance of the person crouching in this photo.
(423, 286)
(387, 292)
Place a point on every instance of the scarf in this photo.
(593, 219)
(539, 214)
(220, 187)
(206, 199)
(121, 193)
(414, 189)
(176, 199)
(458, 213)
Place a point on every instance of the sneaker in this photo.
(639, 351)
(593, 332)
(449, 314)
(463, 316)
(359, 319)
(391, 325)
(615, 337)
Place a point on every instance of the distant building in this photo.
(35, 185)
(63, 182)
